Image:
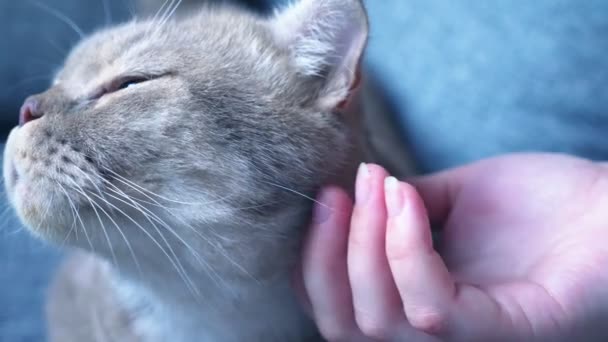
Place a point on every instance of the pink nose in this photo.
(30, 110)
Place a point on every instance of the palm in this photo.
(521, 255)
(532, 248)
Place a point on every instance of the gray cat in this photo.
(184, 155)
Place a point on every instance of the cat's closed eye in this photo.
(119, 84)
(128, 82)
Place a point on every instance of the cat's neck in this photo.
(250, 296)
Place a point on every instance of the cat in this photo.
(151, 7)
(183, 156)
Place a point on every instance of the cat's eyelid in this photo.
(117, 83)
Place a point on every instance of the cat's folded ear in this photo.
(326, 40)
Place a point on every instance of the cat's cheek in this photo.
(27, 209)
(24, 205)
(8, 167)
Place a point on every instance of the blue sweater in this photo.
(471, 78)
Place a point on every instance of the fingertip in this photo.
(375, 168)
(331, 203)
(322, 210)
(416, 206)
(377, 175)
(367, 189)
(393, 196)
(402, 195)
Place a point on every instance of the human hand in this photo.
(523, 254)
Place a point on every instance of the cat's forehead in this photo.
(116, 50)
(147, 47)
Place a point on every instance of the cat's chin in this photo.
(39, 215)
(42, 215)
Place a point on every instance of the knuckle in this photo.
(358, 238)
(431, 321)
(361, 242)
(400, 251)
(373, 327)
(397, 251)
(334, 333)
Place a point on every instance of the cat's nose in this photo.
(30, 110)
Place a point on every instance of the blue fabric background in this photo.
(467, 78)
(471, 79)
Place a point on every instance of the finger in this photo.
(423, 281)
(375, 297)
(432, 301)
(440, 190)
(324, 266)
(297, 283)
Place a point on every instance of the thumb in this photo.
(440, 190)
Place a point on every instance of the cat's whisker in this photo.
(48, 207)
(218, 248)
(141, 190)
(61, 52)
(26, 80)
(4, 216)
(61, 16)
(72, 228)
(71, 203)
(165, 12)
(179, 2)
(68, 234)
(42, 62)
(154, 202)
(204, 238)
(14, 232)
(130, 6)
(153, 21)
(156, 20)
(76, 217)
(99, 333)
(295, 192)
(80, 190)
(147, 213)
(91, 180)
(107, 11)
(175, 263)
(133, 186)
(5, 212)
(124, 237)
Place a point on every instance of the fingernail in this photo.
(362, 184)
(394, 197)
(322, 211)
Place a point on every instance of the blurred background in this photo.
(462, 79)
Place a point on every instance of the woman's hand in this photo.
(523, 255)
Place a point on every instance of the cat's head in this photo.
(220, 118)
